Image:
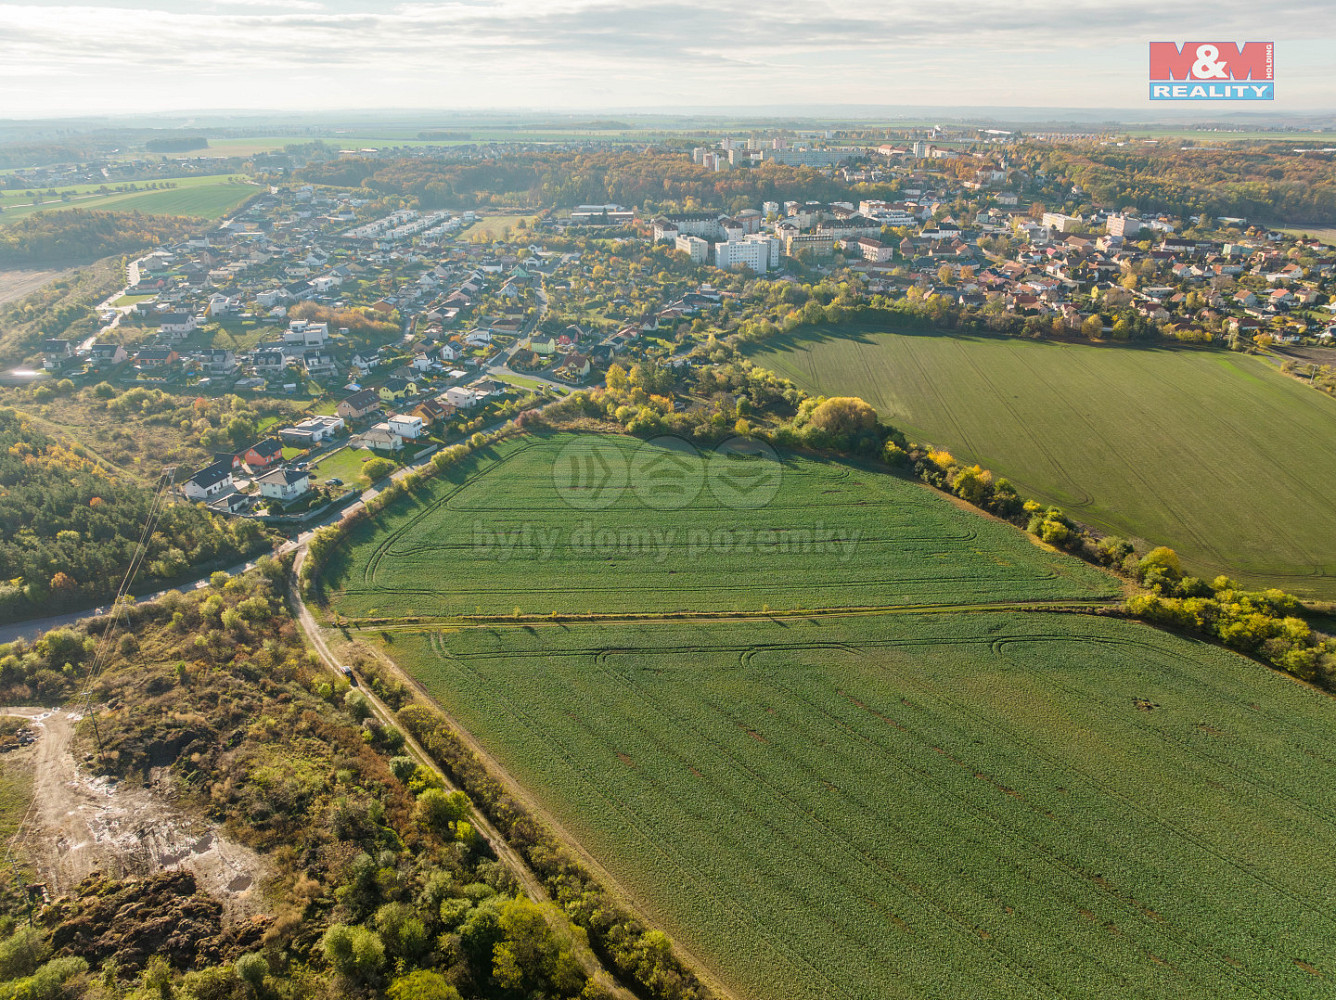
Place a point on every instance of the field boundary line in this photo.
(429, 623)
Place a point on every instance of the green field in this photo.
(494, 226)
(209, 197)
(1217, 455)
(497, 532)
(930, 805)
(1326, 234)
(941, 788)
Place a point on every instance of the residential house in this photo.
(433, 411)
(359, 404)
(284, 484)
(219, 361)
(176, 324)
(379, 437)
(156, 357)
(210, 482)
(222, 305)
(306, 334)
(312, 431)
(396, 389)
(542, 344)
(270, 359)
(263, 454)
(576, 366)
(407, 426)
(105, 355)
(461, 398)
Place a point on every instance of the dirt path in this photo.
(78, 824)
(508, 856)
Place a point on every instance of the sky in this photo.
(138, 56)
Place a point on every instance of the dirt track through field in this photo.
(79, 824)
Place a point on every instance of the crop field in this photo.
(936, 787)
(209, 197)
(678, 531)
(1216, 455)
(927, 805)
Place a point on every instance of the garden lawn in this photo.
(345, 464)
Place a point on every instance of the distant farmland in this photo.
(1216, 455)
(204, 197)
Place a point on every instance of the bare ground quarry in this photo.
(78, 824)
(18, 283)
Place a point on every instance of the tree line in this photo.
(79, 234)
(1269, 182)
(659, 180)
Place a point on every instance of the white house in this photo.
(306, 333)
(209, 483)
(222, 305)
(380, 438)
(407, 426)
(177, 323)
(461, 398)
(284, 484)
(313, 430)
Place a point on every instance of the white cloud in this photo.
(584, 53)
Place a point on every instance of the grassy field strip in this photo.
(846, 536)
(1214, 454)
(902, 805)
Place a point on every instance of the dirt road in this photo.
(79, 824)
(508, 856)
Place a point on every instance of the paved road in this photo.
(132, 279)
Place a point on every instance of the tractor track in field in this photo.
(517, 791)
(427, 623)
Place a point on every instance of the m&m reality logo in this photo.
(1212, 71)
